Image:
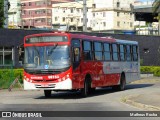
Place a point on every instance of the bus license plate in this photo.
(44, 85)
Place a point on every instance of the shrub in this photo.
(7, 76)
(151, 69)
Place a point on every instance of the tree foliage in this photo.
(1, 13)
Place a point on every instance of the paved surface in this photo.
(137, 96)
(147, 100)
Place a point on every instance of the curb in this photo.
(128, 101)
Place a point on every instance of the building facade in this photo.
(70, 15)
(102, 15)
(37, 13)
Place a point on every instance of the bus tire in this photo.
(122, 84)
(47, 93)
(85, 90)
(92, 90)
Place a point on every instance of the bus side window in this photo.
(135, 52)
(122, 52)
(115, 52)
(98, 51)
(128, 53)
(87, 50)
(107, 51)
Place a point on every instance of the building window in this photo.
(49, 11)
(77, 10)
(71, 19)
(81, 19)
(23, 12)
(71, 10)
(104, 14)
(104, 24)
(49, 20)
(56, 19)
(118, 14)
(63, 19)
(94, 5)
(93, 14)
(49, 3)
(131, 24)
(118, 24)
(118, 4)
(6, 56)
(30, 3)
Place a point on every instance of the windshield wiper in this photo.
(54, 47)
(36, 49)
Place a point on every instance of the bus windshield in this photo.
(47, 57)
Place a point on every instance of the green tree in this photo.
(1, 13)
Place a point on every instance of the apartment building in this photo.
(102, 15)
(38, 13)
(112, 16)
(70, 15)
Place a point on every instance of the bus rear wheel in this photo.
(47, 93)
(122, 85)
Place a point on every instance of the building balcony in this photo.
(44, 15)
(36, 7)
(35, 24)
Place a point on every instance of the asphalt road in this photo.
(102, 100)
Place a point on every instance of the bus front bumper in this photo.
(63, 85)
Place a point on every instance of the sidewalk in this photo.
(145, 101)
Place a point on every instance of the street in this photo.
(102, 100)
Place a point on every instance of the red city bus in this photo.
(64, 61)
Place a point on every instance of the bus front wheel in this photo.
(85, 90)
(47, 93)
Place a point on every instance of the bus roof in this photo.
(109, 39)
(83, 36)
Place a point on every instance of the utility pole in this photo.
(6, 13)
(84, 16)
(159, 23)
